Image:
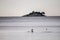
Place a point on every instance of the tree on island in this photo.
(35, 14)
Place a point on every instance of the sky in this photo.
(23, 7)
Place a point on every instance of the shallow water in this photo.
(21, 33)
(20, 28)
(29, 36)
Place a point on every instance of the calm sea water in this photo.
(20, 28)
(24, 33)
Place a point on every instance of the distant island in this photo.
(33, 13)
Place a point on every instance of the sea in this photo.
(20, 28)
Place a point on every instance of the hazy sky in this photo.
(22, 7)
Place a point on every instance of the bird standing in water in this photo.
(32, 30)
(46, 29)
